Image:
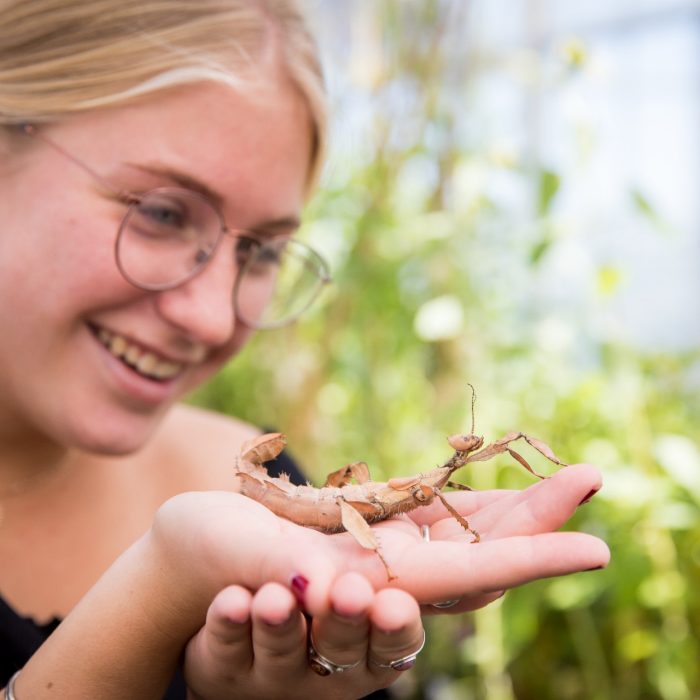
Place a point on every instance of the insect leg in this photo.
(358, 527)
(263, 448)
(357, 470)
(544, 449)
(462, 521)
(503, 445)
(523, 461)
(459, 487)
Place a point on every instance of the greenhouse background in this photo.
(511, 201)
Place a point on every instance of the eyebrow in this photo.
(191, 183)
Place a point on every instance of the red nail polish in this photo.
(299, 585)
(588, 496)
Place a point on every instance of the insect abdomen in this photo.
(289, 501)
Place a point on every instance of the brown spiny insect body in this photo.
(341, 505)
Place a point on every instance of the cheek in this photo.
(66, 216)
(90, 238)
(219, 357)
(73, 255)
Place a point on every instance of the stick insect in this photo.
(341, 505)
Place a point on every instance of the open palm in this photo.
(248, 545)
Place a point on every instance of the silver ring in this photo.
(325, 667)
(405, 662)
(10, 688)
(425, 533)
(446, 604)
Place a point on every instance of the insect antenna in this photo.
(473, 403)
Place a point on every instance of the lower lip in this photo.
(134, 385)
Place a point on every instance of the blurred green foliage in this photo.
(435, 287)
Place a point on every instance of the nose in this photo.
(202, 307)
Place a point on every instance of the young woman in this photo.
(155, 157)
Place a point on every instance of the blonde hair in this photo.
(62, 57)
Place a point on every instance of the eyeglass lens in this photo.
(278, 280)
(168, 235)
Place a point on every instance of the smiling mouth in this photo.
(141, 361)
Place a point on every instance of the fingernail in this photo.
(237, 620)
(588, 496)
(278, 623)
(405, 665)
(299, 584)
(349, 616)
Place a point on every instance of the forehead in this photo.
(253, 148)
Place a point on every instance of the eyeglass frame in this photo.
(131, 199)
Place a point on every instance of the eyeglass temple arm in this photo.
(31, 130)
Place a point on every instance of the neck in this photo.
(29, 461)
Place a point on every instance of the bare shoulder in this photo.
(200, 447)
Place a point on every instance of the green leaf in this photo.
(548, 186)
(539, 249)
(643, 205)
(647, 210)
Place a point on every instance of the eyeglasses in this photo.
(169, 234)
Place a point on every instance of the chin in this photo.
(112, 446)
(114, 437)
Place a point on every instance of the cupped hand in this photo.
(236, 540)
(256, 645)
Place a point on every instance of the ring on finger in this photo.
(405, 662)
(446, 604)
(425, 533)
(325, 667)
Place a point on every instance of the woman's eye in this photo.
(164, 214)
(258, 257)
(267, 255)
(174, 218)
(245, 248)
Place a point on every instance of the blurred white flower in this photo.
(680, 457)
(441, 318)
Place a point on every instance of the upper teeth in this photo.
(144, 362)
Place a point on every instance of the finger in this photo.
(546, 506)
(315, 565)
(224, 642)
(278, 630)
(342, 635)
(465, 502)
(468, 569)
(397, 632)
(461, 605)
(272, 549)
(543, 507)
